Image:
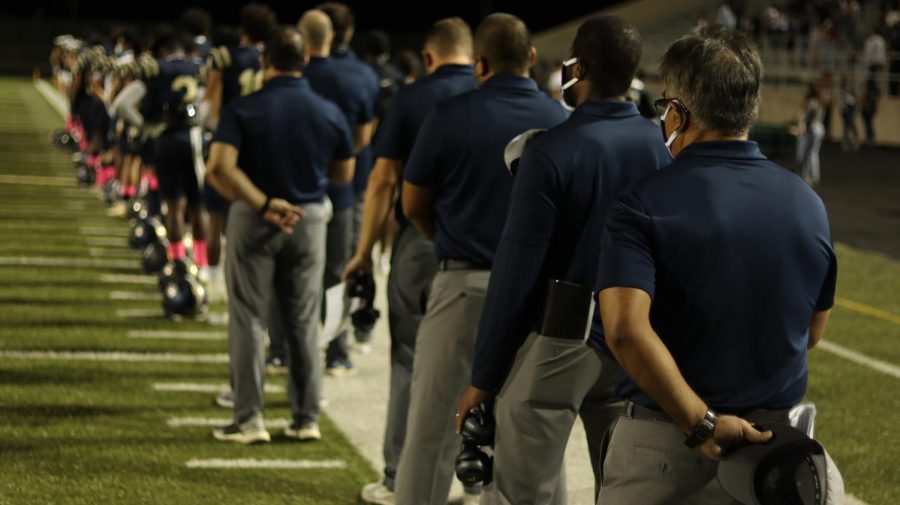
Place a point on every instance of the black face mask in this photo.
(568, 82)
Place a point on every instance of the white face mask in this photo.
(673, 136)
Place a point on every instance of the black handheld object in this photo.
(789, 469)
(567, 311)
(362, 287)
(473, 465)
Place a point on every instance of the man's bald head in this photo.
(316, 28)
(504, 42)
(449, 37)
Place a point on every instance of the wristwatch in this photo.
(702, 430)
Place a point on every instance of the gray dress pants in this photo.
(267, 266)
(445, 346)
(552, 381)
(648, 463)
(413, 266)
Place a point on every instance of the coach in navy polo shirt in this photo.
(456, 189)
(274, 152)
(354, 92)
(447, 52)
(717, 276)
(567, 179)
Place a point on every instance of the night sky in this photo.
(392, 16)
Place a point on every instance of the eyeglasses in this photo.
(662, 105)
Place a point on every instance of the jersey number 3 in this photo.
(188, 84)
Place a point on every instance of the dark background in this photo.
(27, 27)
(402, 16)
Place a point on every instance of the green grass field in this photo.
(96, 431)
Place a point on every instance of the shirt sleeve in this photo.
(369, 97)
(344, 147)
(825, 300)
(626, 251)
(422, 168)
(390, 139)
(229, 128)
(518, 263)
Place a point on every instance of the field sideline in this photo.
(102, 400)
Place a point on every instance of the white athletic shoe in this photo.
(250, 432)
(305, 433)
(471, 498)
(118, 209)
(377, 493)
(225, 399)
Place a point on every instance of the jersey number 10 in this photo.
(250, 81)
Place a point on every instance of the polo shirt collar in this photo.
(729, 149)
(454, 69)
(510, 82)
(607, 108)
(286, 81)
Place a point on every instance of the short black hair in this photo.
(342, 20)
(716, 73)
(196, 21)
(257, 21)
(408, 62)
(225, 36)
(374, 44)
(504, 41)
(166, 41)
(284, 50)
(609, 49)
(450, 36)
(130, 37)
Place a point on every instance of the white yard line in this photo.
(107, 241)
(32, 180)
(146, 296)
(44, 261)
(139, 313)
(190, 387)
(128, 279)
(113, 356)
(53, 97)
(104, 231)
(860, 359)
(269, 464)
(198, 422)
(97, 252)
(178, 335)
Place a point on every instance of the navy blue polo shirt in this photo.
(287, 137)
(568, 178)
(736, 253)
(459, 152)
(411, 105)
(353, 87)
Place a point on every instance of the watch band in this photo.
(265, 207)
(703, 429)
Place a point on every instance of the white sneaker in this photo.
(118, 209)
(250, 432)
(377, 493)
(305, 433)
(471, 498)
(225, 399)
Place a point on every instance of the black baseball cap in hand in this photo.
(789, 469)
